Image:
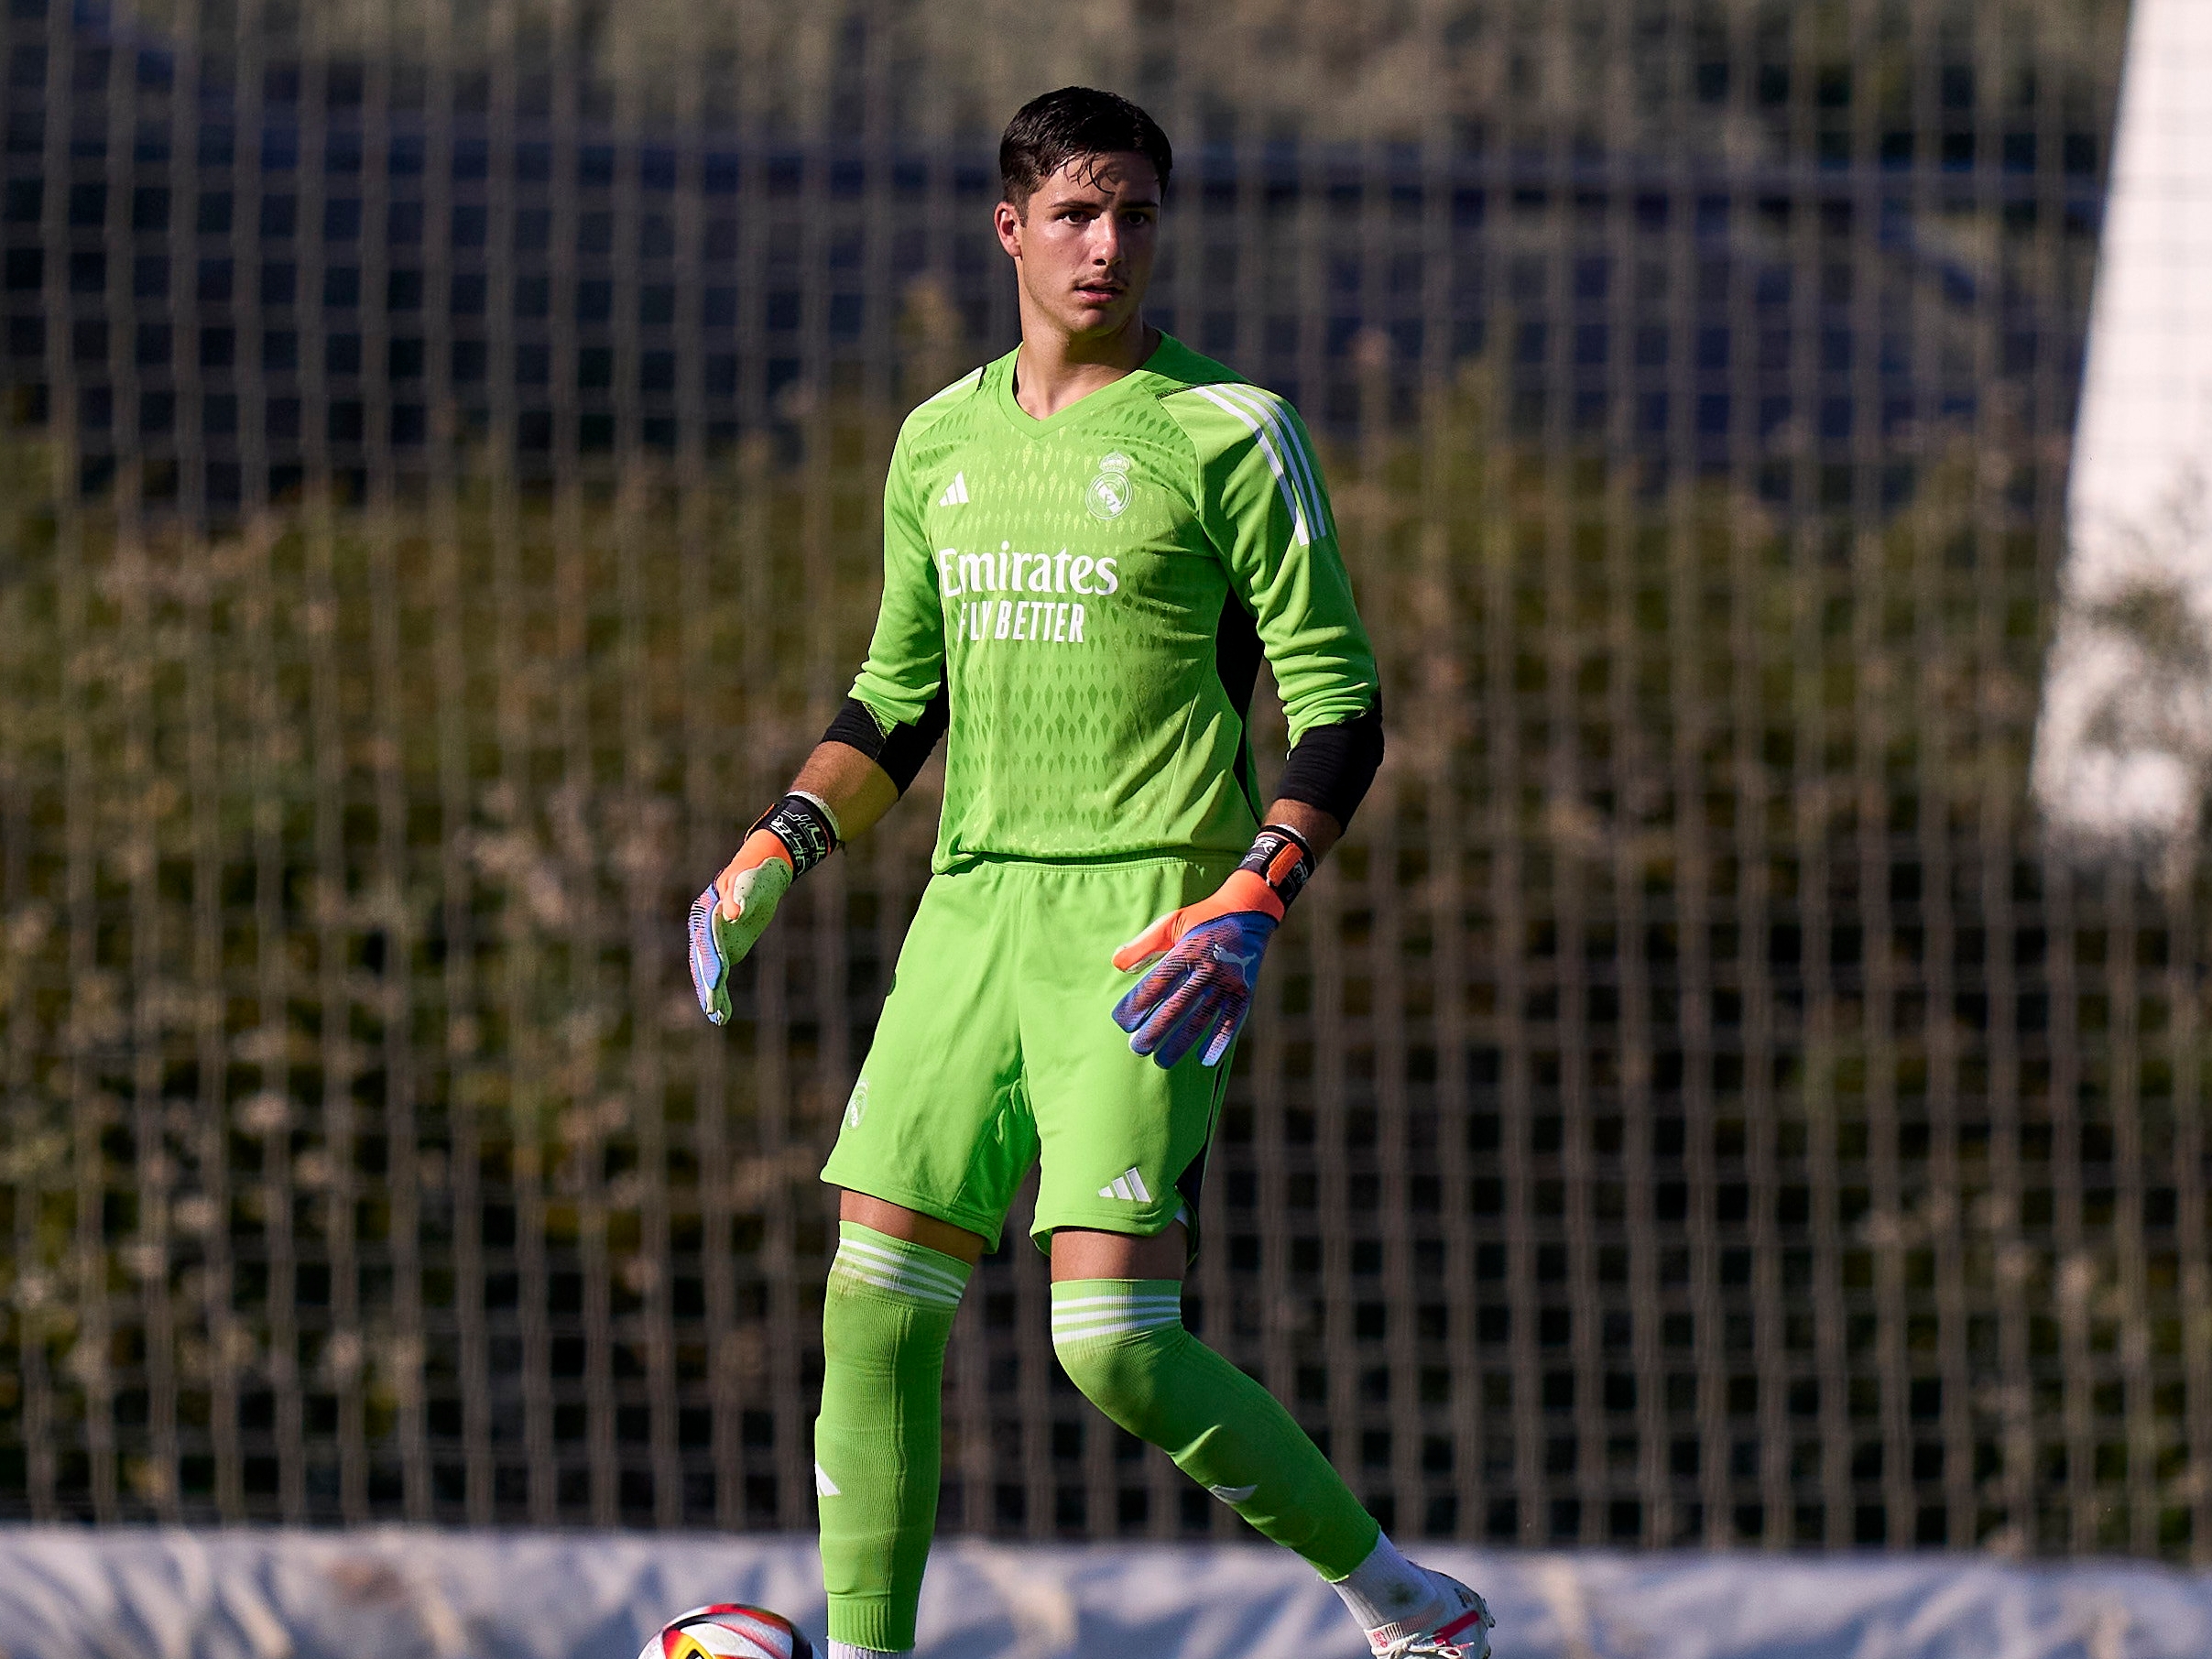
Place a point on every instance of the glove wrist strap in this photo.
(805, 827)
(1280, 857)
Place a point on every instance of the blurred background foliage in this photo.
(1603, 78)
(1784, 1147)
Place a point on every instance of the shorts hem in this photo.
(987, 1227)
(1203, 859)
(1136, 1224)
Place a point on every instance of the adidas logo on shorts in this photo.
(1129, 1186)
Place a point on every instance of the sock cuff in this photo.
(1085, 1309)
(912, 1272)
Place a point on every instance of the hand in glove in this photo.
(1204, 957)
(791, 838)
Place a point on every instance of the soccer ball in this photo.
(726, 1630)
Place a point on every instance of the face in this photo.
(1082, 249)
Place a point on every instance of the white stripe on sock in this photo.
(864, 1266)
(1147, 1315)
(930, 1264)
(1106, 1325)
(915, 1266)
(905, 1287)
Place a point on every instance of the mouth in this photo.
(1099, 293)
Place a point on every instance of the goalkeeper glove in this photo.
(1204, 957)
(785, 842)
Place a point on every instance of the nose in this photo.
(1106, 239)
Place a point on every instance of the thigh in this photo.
(1082, 1252)
(1122, 1141)
(939, 1121)
(896, 1221)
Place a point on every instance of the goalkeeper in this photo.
(1089, 545)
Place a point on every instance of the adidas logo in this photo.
(955, 493)
(1128, 1186)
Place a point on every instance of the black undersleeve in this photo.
(1237, 659)
(1332, 766)
(902, 750)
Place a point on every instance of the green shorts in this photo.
(997, 1050)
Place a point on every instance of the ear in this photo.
(1007, 223)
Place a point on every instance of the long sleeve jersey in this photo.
(1092, 594)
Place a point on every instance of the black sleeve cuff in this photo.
(1332, 766)
(902, 750)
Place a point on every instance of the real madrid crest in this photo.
(1109, 492)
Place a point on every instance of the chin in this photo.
(1114, 318)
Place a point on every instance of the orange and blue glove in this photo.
(785, 842)
(1204, 958)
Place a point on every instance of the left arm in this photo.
(1271, 520)
(1320, 831)
(1267, 513)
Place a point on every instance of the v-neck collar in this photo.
(1029, 426)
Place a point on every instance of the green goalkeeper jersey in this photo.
(1093, 594)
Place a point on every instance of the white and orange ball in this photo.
(728, 1629)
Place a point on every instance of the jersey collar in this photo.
(1113, 391)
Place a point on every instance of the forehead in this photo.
(1111, 175)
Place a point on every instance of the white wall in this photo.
(393, 1594)
(2142, 438)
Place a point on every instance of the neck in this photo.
(1056, 368)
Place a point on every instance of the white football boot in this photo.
(1464, 1632)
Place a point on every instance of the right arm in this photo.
(873, 749)
(854, 789)
(858, 788)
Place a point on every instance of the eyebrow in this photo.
(1100, 201)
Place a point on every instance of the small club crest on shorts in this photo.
(1108, 493)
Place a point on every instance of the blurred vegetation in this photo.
(1503, 74)
(429, 780)
(376, 822)
(373, 820)
(402, 782)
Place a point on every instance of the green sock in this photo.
(1122, 1342)
(886, 1314)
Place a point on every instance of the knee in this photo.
(1123, 1374)
(1114, 1376)
(858, 1328)
(886, 1306)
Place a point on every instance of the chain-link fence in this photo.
(441, 506)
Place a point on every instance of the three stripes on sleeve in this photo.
(1289, 454)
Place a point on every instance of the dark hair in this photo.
(1048, 133)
